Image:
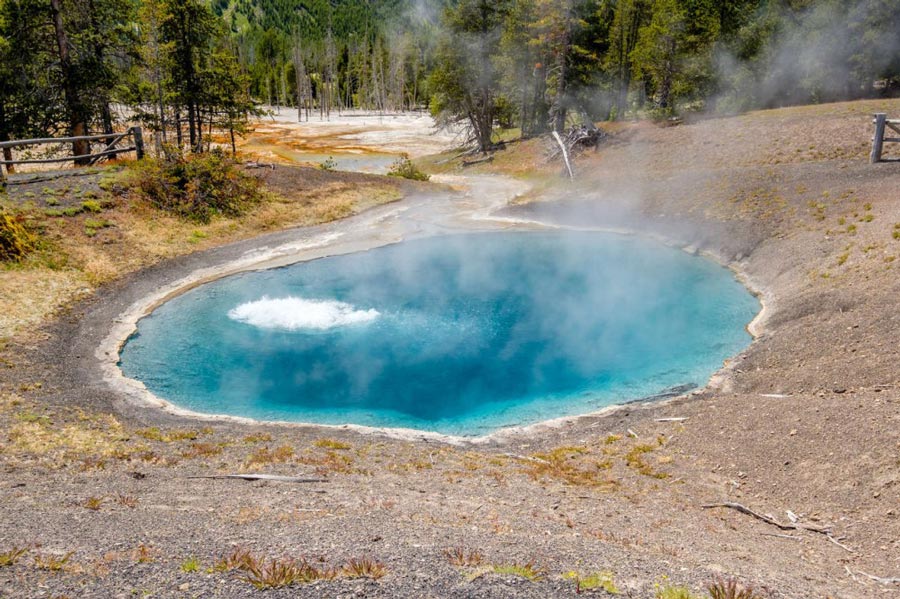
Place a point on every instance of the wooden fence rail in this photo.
(882, 124)
(110, 140)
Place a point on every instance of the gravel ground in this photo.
(98, 490)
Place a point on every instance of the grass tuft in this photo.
(460, 557)
(191, 564)
(528, 570)
(10, 557)
(673, 592)
(93, 503)
(364, 567)
(593, 581)
(731, 589)
(332, 444)
(54, 563)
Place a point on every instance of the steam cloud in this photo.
(294, 314)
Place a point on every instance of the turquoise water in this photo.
(460, 334)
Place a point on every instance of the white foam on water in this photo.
(295, 313)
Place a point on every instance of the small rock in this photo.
(793, 432)
(840, 390)
(184, 587)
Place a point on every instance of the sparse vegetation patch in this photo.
(197, 187)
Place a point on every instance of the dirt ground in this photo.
(803, 426)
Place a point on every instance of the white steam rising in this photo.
(295, 313)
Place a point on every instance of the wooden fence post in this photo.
(878, 141)
(138, 142)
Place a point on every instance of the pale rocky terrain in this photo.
(99, 491)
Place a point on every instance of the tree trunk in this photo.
(192, 125)
(77, 121)
(560, 103)
(4, 136)
(178, 135)
(99, 52)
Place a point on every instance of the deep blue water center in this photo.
(459, 334)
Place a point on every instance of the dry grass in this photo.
(572, 465)
(264, 456)
(332, 444)
(273, 573)
(461, 557)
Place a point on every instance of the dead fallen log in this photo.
(258, 164)
(271, 477)
(768, 519)
(793, 525)
(477, 161)
(880, 579)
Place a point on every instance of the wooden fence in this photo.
(882, 124)
(111, 147)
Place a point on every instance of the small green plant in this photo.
(635, 459)
(328, 164)
(201, 450)
(54, 563)
(264, 455)
(593, 581)
(93, 503)
(404, 167)
(10, 557)
(72, 211)
(331, 444)
(91, 206)
(51, 201)
(15, 239)
(666, 591)
(528, 570)
(257, 438)
(91, 226)
(32, 418)
(191, 564)
(731, 589)
(154, 434)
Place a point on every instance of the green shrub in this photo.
(91, 206)
(329, 164)
(15, 240)
(405, 168)
(197, 187)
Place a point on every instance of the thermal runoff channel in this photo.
(460, 334)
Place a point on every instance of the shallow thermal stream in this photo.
(459, 334)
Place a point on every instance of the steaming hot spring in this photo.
(459, 334)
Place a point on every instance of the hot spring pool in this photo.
(460, 334)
